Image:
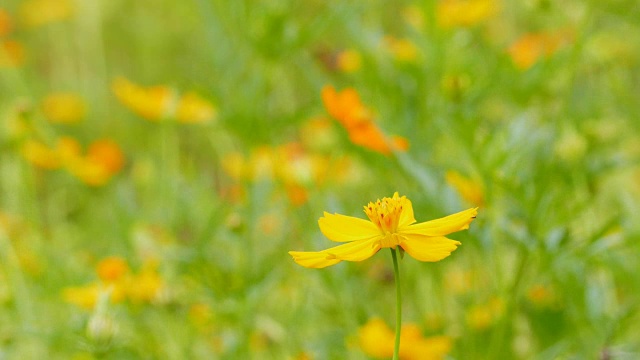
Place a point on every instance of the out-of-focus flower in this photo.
(40, 154)
(541, 296)
(103, 160)
(41, 12)
(145, 287)
(11, 53)
(403, 50)
(530, 48)
(458, 281)
(152, 103)
(349, 61)
(465, 13)
(377, 340)
(65, 108)
(391, 224)
(318, 134)
(85, 297)
(482, 316)
(5, 23)
(357, 119)
(414, 16)
(68, 150)
(194, 109)
(112, 269)
(471, 191)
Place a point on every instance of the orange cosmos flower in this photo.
(391, 223)
(349, 111)
(5, 23)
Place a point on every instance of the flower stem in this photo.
(396, 273)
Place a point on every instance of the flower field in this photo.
(208, 179)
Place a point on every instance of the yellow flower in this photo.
(377, 340)
(349, 61)
(41, 12)
(465, 13)
(471, 191)
(152, 103)
(64, 108)
(403, 50)
(194, 109)
(40, 155)
(391, 224)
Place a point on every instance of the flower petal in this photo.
(443, 226)
(428, 248)
(343, 228)
(315, 260)
(406, 216)
(353, 251)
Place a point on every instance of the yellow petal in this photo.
(314, 260)
(406, 216)
(425, 248)
(443, 226)
(353, 251)
(343, 228)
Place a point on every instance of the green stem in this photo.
(396, 273)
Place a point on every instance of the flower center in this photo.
(385, 214)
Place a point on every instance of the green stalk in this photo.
(396, 275)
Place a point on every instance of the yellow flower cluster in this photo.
(116, 279)
(156, 103)
(102, 160)
(376, 339)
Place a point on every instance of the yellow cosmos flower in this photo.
(391, 224)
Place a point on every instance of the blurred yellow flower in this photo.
(145, 286)
(465, 13)
(377, 340)
(391, 224)
(40, 154)
(403, 50)
(349, 61)
(11, 53)
(482, 316)
(152, 103)
(85, 297)
(68, 150)
(41, 12)
(5, 23)
(65, 108)
(471, 191)
(194, 109)
(414, 16)
(530, 48)
(357, 119)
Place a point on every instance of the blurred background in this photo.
(159, 158)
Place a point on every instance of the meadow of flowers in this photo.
(160, 159)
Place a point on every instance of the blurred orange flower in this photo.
(5, 23)
(11, 53)
(103, 160)
(112, 269)
(377, 340)
(465, 13)
(530, 48)
(41, 12)
(65, 108)
(357, 119)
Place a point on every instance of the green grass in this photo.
(555, 147)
